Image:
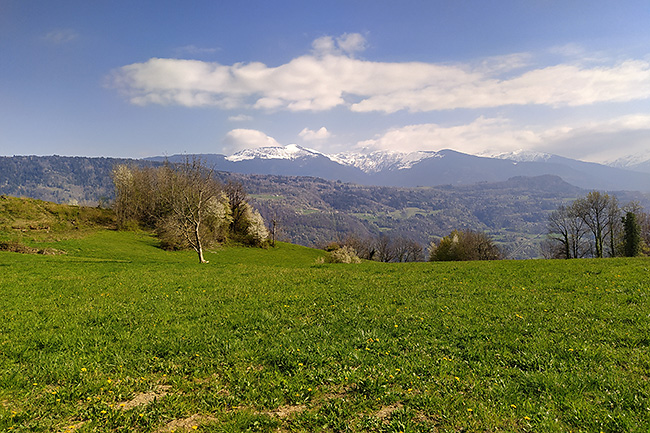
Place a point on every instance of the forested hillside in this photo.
(311, 211)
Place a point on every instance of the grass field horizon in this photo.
(119, 335)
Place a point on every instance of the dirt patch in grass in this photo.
(18, 247)
(145, 398)
(285, 411)
(385, 412)
(186, 424)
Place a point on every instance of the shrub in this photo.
(344, 254)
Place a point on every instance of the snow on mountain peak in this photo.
(382, 159)
(520, 156)
(630, 160)
(368, 162)
(290, 152)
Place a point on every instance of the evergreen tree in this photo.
(631, 236)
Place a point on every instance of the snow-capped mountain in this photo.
(290, 152)
(445, 167)
(383, 160)
(367, 162)
(637, 162)
(520, 156)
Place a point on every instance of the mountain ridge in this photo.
(422, 168)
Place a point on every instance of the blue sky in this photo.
(134, 79)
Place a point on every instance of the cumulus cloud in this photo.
(331, 76)
(480, 136)
(240, 118)
(347, 44)
(310, 135)
(240, 139)
(61, 36)
(602, 141)
(590, 141)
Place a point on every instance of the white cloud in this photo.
(590, 141)
(310, 135)
(351, 43)
(240, 118)
(61, 36)
(331, 76)
(240, 139)
(481, 136)
(603, 141)
(193, 50)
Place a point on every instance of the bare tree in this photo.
(566, 232)
(385, 249)
(407, 250)
(193, 197)
(364, 247)
(594, 210)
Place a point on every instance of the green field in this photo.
(118, 335)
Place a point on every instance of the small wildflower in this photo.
(513, 406)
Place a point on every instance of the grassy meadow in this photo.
(117, 335)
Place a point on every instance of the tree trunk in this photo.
(199, 248)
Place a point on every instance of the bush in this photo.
(344, 254)
(465, 245)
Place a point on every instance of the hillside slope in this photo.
(118, 335)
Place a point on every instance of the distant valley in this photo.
(315, 199)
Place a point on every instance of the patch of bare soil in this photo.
(145, 398)
(385, 412)
(17, 247)
(285, 411)
(185, 424)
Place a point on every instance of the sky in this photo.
(143, 78)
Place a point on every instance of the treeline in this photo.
(597, 226)
(457, 246)
(186, 206)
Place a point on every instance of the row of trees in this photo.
(596, 226)
(465, 245)
(457, 246)
(382, 248)
(186, 206)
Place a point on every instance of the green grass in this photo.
(268, 340)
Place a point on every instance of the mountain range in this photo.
(311, 210)
(426, 168)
